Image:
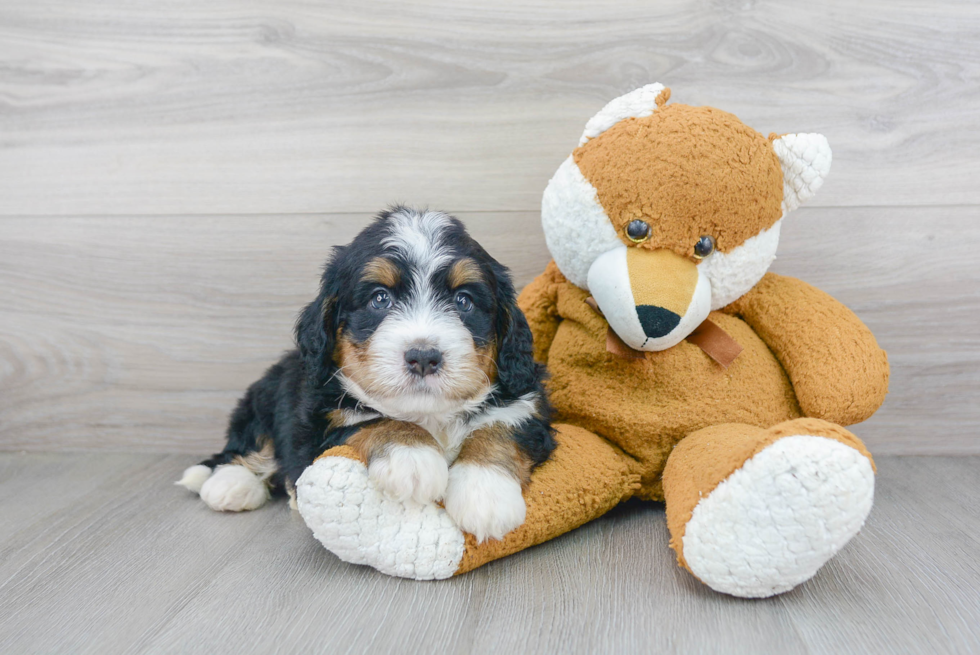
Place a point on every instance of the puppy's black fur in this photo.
(290, 404)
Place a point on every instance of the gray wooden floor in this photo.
(100, 553)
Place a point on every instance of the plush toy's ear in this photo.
(805, 159)
(517, 372)
(316, 327)
(635, 104)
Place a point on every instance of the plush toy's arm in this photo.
(838, 371)
(539, 302)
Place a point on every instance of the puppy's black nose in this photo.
(656, 321)
(423, 361)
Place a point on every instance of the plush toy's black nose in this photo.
(656, 321)
(423, 361)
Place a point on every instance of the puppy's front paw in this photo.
(484, 501)
(417, 472)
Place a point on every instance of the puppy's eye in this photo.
(381, 300)
(638, 231)
(704, 247)
(463, 302)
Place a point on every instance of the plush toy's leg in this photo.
(755, 512)
(585, 478)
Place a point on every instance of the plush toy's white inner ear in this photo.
(635, 104)
(805, 159)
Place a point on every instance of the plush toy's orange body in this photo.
(646, 405)
(681, 370)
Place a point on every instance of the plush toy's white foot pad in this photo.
(356, 522)
(775, 521)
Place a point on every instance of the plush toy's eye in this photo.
(704, 247)
(463, 302)
(638, 231)
(381, 300)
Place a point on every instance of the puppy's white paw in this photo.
(416, 472)
(233, 488)
(194, 478)
(484, 501)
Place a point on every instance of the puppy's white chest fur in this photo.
(450, 435)
(451, 432)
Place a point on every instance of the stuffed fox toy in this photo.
(680, 369)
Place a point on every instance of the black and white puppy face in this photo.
(415, 314)
(416, 329)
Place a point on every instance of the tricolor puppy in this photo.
(415, 354)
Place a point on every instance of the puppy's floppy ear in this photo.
(316, 327)
(517, 372)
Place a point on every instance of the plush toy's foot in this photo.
(754, 512)
(354, 520)
(349, 515)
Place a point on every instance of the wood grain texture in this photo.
(125, 562)
(141, 333)
(282, 106)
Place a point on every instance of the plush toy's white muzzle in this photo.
(652, 299)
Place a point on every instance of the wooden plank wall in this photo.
(173, 173)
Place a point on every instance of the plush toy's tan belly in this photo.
(647, 405)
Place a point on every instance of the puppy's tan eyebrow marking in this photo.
(464, 271)
(381, 270)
